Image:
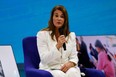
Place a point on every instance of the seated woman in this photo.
(57, 46)
(105, 63)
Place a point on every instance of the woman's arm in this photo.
(73, 59)
(101, 61)
(47, 55)
(73, 56)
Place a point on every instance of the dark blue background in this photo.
(22, 18)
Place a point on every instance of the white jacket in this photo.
(51, 57)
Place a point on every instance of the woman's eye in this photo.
(56, 15)
(62, 16)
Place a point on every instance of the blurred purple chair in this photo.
(32, 59)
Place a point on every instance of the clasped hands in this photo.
(67, 66)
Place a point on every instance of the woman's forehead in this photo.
(58, 12)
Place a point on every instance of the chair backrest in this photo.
(31, 55)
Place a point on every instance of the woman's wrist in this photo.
(72, 64)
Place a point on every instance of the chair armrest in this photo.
(32, 72)
(90, 72)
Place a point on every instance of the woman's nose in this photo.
(59, 18)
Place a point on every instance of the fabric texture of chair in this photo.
(32, 59)
(89, 72)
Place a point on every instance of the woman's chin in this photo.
(59, 26)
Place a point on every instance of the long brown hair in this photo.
(65, 26)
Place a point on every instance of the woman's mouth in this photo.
(59, 23)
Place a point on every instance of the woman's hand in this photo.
(67, 66)
(61, 41)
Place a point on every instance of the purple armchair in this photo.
(32, 59)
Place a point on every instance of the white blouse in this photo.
(51, 57)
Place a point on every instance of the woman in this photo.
(55, 58)
(104, 61)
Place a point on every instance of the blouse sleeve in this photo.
(47, 55)
(73, 56)
(101, 61)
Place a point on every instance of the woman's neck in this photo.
(57, 34)
(101, 50)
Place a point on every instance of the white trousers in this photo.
(72, 72)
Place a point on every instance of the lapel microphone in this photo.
(61, 33)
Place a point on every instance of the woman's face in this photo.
(58, 19)
(98, 49)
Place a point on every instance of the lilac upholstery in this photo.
(32, 59)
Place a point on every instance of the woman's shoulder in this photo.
(42, 32)
(72, 35)
(102, 54)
